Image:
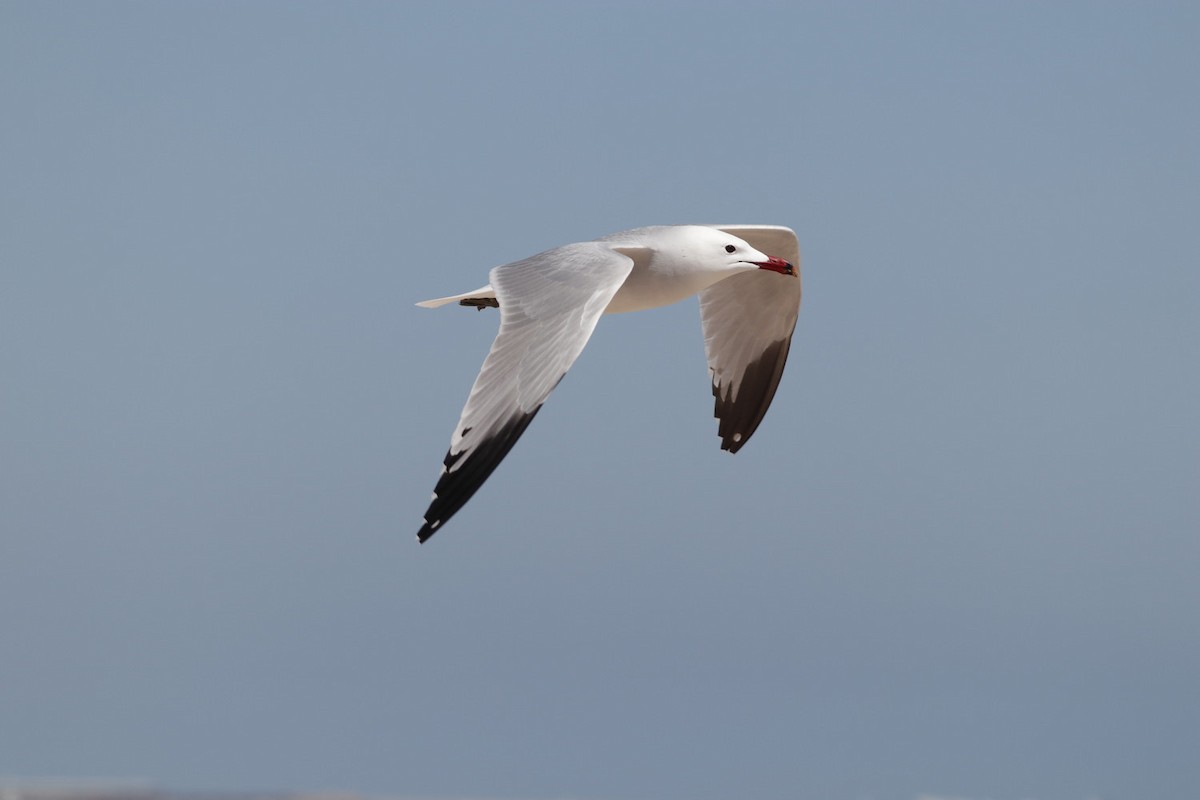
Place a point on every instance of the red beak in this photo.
(776, 265)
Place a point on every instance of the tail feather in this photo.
(484, 293)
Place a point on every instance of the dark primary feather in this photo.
(741, 417)
(456, 486)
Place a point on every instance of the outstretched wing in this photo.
(748, 322)
(549, 306)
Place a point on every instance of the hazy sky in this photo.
(959, 558)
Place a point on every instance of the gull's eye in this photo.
(729, 248)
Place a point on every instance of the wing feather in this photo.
(549, 306)
(748, 322)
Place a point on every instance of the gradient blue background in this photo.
(960, 557)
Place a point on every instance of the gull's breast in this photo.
(654, 286)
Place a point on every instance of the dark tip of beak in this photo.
(777, 265)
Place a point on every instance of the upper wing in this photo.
(748, 322)
(549, 306)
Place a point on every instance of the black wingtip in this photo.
(730, 446)
(456, 487)
(740, 418)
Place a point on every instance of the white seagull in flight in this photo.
(550, 303)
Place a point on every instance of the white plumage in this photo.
(550, 304)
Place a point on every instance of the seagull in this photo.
(550, 303)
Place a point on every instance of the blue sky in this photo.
(958, 559)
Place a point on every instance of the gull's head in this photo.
(717, 251)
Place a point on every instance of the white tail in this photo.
(484, 293)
